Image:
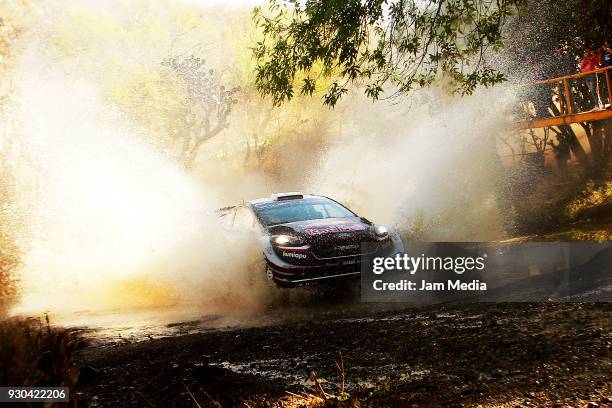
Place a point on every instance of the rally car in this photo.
(310, 239)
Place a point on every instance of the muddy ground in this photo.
(513, 354)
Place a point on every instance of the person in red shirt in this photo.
(590, 62)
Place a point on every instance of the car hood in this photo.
(330, 237)
(315, 228)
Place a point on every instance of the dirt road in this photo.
(522, 354)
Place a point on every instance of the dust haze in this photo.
(108, 218)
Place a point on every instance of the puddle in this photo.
(128, 326)
(271, 369)
(293, 372)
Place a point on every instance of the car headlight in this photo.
(381, 231)
(287, 240)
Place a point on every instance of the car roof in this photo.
(267, 200)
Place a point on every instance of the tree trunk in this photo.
(190, 158)
(596, 135)
(606, 137)
(572, 140)
(575, 145)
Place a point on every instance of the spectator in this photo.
(589, 63)
(606, 61)
(606, 55)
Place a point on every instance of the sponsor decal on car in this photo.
(294, 255)
(334, 228)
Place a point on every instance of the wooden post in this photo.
(561, 104)
(568, 101)
(608, 86)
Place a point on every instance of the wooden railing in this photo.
(567, 109)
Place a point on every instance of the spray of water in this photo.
(428, 160)
(110, 221)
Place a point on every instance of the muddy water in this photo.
(128, 326)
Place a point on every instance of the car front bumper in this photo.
(285, 274)
(305, 275)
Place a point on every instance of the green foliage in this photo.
(554, 32)
(591, 20)
(381, 390)
(591, 197)
(402, 43)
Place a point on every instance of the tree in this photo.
(402, 43)
(553, 33)
(209, 101)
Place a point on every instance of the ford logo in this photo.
(345, 247)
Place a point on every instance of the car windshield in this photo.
(281, 212)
